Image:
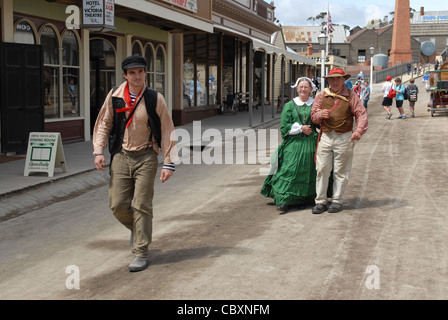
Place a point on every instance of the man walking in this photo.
(334, 109)
(135, 122)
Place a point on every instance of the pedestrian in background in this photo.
(135, 122)
(365, 96)
(361, 75)
(294, 181)
(412, 90)
(338, 111)
(357, 89)
(399, 98)
(387, 102)
(425, 80)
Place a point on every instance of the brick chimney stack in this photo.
(422, 11)
(309, 50)
(401, 37)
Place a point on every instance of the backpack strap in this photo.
(150, 96)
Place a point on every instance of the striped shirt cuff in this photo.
(169, 166)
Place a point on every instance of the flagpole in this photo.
(328, 31)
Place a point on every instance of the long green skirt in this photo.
(294, 182)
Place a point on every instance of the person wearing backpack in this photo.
(134, 121)
(399, 98)
(412, 90)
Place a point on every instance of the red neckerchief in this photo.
(130, 106)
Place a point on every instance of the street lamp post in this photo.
(322, 42)
(372, 51)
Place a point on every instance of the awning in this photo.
(269, 48)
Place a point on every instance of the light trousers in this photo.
(334, 152)
(131, 191)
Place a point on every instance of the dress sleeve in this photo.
(287, 119)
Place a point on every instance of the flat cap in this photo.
(134, 61)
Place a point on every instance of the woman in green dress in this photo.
(294, 182)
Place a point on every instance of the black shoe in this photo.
(335, 207)
(319, 208)
(283, 208)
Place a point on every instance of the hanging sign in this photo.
(44, 153)
(98, 15)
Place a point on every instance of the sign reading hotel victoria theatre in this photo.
(98, 15)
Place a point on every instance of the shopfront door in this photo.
(22, 108)
(102, 75)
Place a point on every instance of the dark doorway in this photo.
(102, 75)
(22, 108)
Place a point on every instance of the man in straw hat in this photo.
(337, 109)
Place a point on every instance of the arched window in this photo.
(49, 42)
(50, 47)
(24, 33)
(136, 48)
(160, 70)
(149, 56)
(70, 72)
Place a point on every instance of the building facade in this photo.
(76, 66)
(431, 26)
(198, 51)
(244, 57)
(304, 40)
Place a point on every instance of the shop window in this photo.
(228, 56)
(70, 72)
(201, 73)
(212, 70)
(24, 33)
(160, 71)
(60, 73)
(50, 47)
(149, 56)
(200, 70)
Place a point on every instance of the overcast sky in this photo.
(349, 12)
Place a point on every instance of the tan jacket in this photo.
(136, 136)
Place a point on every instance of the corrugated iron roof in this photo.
(309, 34)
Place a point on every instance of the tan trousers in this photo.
(131, 191)
(333, 152)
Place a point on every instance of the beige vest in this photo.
(341, 118)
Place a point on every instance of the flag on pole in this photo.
(329, 25)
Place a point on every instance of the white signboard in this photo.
(109, 13)
(44, 153)
(98, 15)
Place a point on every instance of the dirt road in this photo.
(215, 237)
